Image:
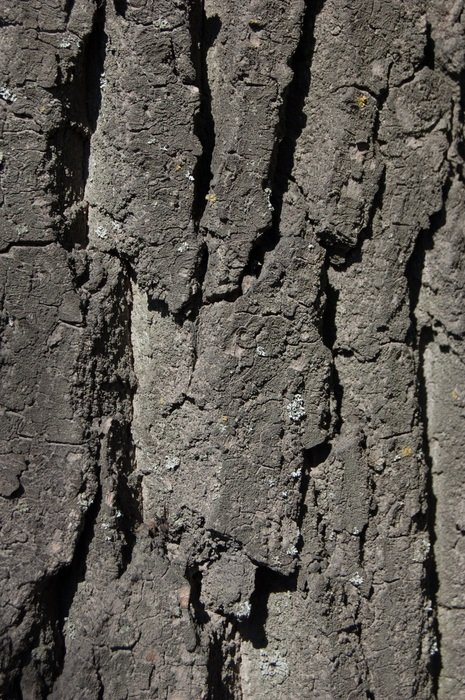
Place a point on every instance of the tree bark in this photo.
(232, 284)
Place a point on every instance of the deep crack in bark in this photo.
(291, 122)
(203, 33)
(419, 338)
(69, 150)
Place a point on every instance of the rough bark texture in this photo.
(232, 285)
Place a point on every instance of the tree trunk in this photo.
(232, 271)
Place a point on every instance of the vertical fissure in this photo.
(419, 337)
(128, 493)
(121, 443)
(328, 330)
(223, 664)
(55, 594)
(68, 8)
(290, 124)
(69, 144)
(216, 688)
(203, 33)
(68, 149)
(121, 7)
(431, 579)
(114, 399)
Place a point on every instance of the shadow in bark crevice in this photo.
(68, 146)
(204, 31)
(419, 338)
(267, 582)
(291, 123)
(121, 7)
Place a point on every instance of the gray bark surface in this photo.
(232, 282)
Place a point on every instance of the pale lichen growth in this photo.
(268, 193)
(242, 610)
(356, 579)
(296, 408)
(101, 232)
(7, 95)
